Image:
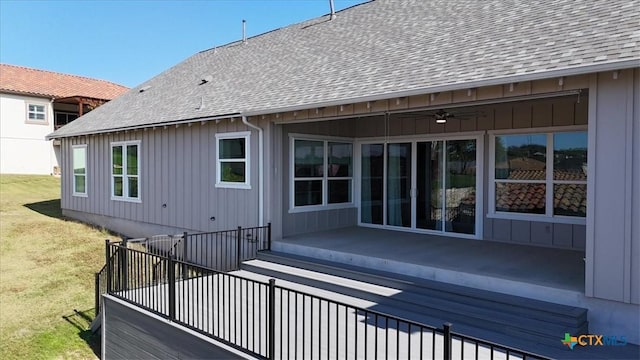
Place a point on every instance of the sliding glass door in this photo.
(422, 185)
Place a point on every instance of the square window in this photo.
(125, 171)
(322, 172)
(36, 113)
(232, 161)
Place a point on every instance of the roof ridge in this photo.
(236, 42)
(63, 74)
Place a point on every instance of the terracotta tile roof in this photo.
(23, 80)
(568, 199)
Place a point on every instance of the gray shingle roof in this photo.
(377, 48)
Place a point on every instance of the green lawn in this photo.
(46, 273)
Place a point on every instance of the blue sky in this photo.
(128, 42)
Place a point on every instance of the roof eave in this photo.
(53, 135)
(572, 71)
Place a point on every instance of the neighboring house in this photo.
(33, 103)
(489, 120)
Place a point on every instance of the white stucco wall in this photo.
(23, 148)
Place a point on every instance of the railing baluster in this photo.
(271, 334)
(185, 255)
(447, 341)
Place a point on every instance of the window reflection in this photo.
(521, 157)
(570, 156)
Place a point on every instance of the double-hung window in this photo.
(540, 175)
(36, 113)
(322, 173)
(79, 170)
(232, 160)
(125, 171)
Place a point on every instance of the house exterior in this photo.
(485, 121)
(33, 103)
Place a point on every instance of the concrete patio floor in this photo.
(483, 264)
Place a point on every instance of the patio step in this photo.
(497, 313)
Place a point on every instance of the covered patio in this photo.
(548, 274)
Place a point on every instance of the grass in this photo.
(46, 273)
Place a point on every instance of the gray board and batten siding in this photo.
(177, 182)
(544, 113)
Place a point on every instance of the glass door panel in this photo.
(399, 184)
(372, 184)
(429, 185)
(460, 192)
(436, 185)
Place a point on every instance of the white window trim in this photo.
(45, 121)
(125, 183)
(548, 215)
(325, 178)
(86, 172)
(246, 135)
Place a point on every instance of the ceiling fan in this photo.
(441, 116)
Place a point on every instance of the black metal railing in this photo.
(272, 321)
(223, 250)
(101, 277)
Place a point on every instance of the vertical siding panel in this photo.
(395, 126)
(469, 124)
(166, 181)
(452, 125)
(563, 235)
(435, 128)
(64, 193)
(181, 160)
(151, 194)
(208, 176)
(502, 230)
(96, 173)
(422, 127)
(579, 237)
(521, 231)
(563, 113)
(194, 174)
(157, 175)
(174, 175)
(488, 228)
(582, 112)
(205, 171)
(105, 142)
(487, 122)
(542, 114)
(140, 209)
(541, 233)
(504, 117)
(522, 116)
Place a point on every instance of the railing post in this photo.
(269, 236)
(96, 284)
(171, 279)
(238, 247)
(124, 268)
(271, 334)
(108, 263)
(185, 270)
(447, 341)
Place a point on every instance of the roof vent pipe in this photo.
(333, 12)
(244, 31)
